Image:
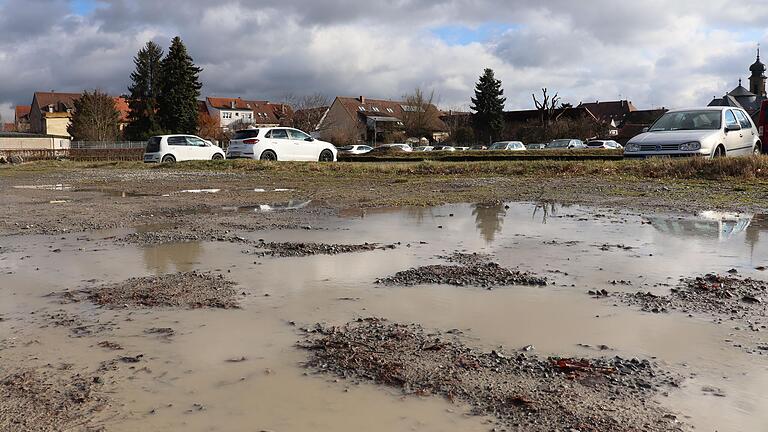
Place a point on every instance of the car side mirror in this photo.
(645, 129)
(732, 128)
(309, 139)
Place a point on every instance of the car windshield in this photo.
(498, 146)
(559, 143)
(346, 148)
(687, 120)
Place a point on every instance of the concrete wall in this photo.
(33, 143)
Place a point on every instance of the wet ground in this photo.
(204, 369)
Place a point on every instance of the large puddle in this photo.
(191, 385)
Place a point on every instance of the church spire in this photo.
(757, 80)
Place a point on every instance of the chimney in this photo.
(232, 104)
(362, 99)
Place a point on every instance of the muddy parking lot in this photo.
(171, 300)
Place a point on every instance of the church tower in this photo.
(758, 78)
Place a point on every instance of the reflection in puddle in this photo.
(708, 224)
(489, 219)
(200, 191)
(56, 187)
(290, 205)
(176, 257)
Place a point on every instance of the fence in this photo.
(107, 145)
(85, 151)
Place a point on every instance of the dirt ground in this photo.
(128, 292)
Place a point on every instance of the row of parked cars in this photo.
(709, 132)
(497, 146)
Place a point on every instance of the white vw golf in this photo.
(280, 143)
(172, 148)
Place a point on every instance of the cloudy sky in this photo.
(654, 52)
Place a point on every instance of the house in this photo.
(21, 118)
(51, 112)
(375, 121)
(258, 113)
(611, 113)
(750, 100)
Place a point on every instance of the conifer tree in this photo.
(143, 121)
(179, 90)
(488, 107)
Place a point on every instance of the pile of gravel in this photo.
(521, 391)
(288, 249)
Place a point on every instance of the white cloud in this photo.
(653, 52)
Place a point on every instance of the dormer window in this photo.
(390, 110)
(375, 109)
(361, 108)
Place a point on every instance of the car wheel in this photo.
(217, 156)
(719, 152)
(756, 151)
(169, 159)
(326, 156)
(268, 155)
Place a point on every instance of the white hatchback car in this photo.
(279, 143)
(173, 148)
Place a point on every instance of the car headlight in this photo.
(632, 147)
(690, 146)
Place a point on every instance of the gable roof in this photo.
(366, 107)
(58, 100)
(609, 110)
(232, 103)
(22, 111)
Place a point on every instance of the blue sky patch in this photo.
(464, 35)
(83, 7)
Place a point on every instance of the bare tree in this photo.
(420, 116)
(309, 111)
(95, 118)
(546, 107)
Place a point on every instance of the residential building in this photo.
(21, 118)
(375, 121)
(611, 113)
(750, 100)
(51, 112)
(258, 113)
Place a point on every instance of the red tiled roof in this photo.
(122, 107)
(22, 111)
(227, 103)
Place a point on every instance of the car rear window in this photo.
(245, 134)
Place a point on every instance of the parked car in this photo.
(443, 147)
(461, 148)
(177, 148)
(604, 144)
(355, 149)
(284, 144)
(566, 144)
(423, 149)
(709, 131)
(508, 146)
(536, 146)
(401, 146)
(479, 147)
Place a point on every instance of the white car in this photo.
(176, 148)
(604, 144)
(423, 149)
(707, 131)
(355, 149)
(279, 144)
(403, 147)
(508, 145)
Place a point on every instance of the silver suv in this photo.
(709, 132)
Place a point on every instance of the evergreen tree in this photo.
(143, 121)
(179, 89)
(95, 118)
(488, 107)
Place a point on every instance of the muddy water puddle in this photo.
(190, 384)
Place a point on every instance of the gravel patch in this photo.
(283, 250)
(186, 290)
(471, 270)
(42, 401)
(522, 392)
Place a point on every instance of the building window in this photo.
(390, 110)
(226, 115)
(362, 108)
(375, 109)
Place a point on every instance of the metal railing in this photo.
(88, 145)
